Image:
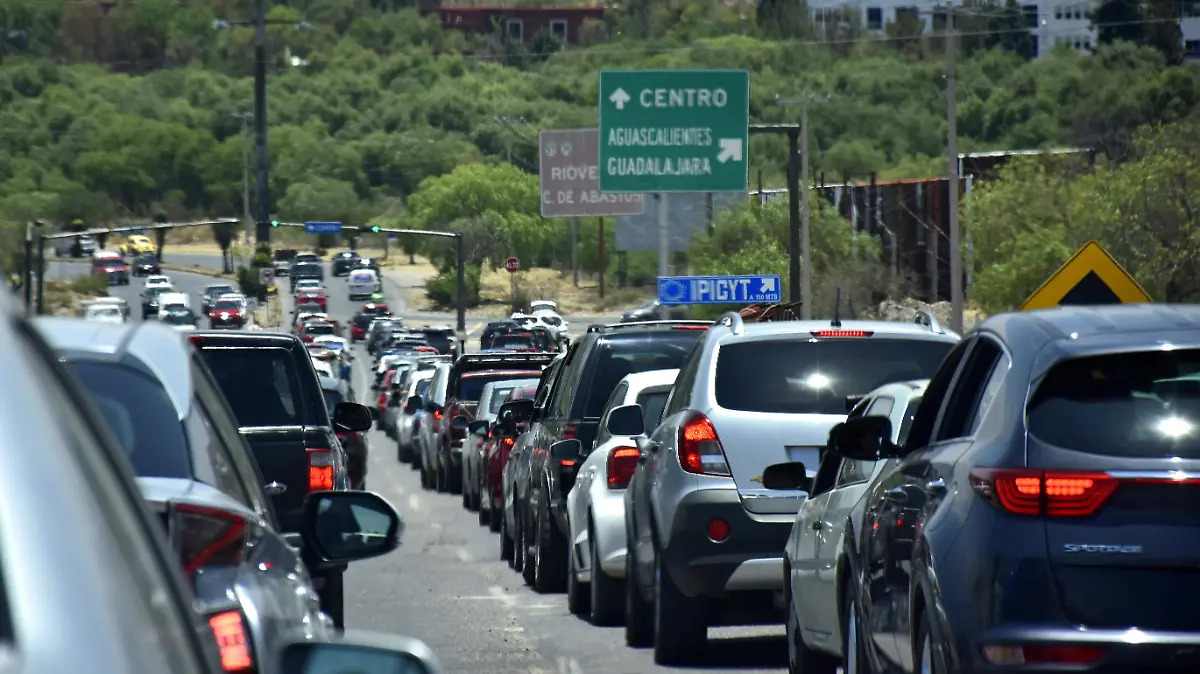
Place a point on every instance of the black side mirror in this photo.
(413, 405)
(516, 410)
(792, 476)
(863, 439)
(626, 420)
(566, 450)
(478, 428)
(459, 423)
(346, 526)
(352, 417)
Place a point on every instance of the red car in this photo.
(495, 451)
(314, 297)
(359, 325)
(315, 328)
(381, 400)
(376, 309)
(113, 268)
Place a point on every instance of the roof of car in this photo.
(643, 380)
(155, 346)
(1078, 322)
(806, 328)
(492, 373)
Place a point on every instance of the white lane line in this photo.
(414, 503)
(569, 666)
(463, 556)
(509, 601)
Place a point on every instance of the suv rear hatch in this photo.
(1114, 444)
(777, 397)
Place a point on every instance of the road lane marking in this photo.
(414, 503)
(509, 601)
(463, 556)
(569, 666)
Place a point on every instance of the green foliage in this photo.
(247, 278)
(443, 288)
(90, 284)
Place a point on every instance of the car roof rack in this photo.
(732, 320)
(598, 327)
(930, 321)
(505, 358)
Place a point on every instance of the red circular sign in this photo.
(513, 265)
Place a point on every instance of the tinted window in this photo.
(215, 291)
(363, 320)
(472, 388)
(261, 385)
(227, 305)
(438, 340)
(803, 377)
(498, 396)
(180, 317)
(141, 416)
(619, 356)
(1127, 404)
(423, 387)
(319, 329)
(652, 403)
(910, 413)
(332, 398)
(512, 342)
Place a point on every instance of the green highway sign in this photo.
(674, 130)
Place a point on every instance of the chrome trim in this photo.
(1152, 475)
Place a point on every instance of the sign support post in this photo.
(664, 236)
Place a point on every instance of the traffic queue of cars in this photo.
(198, 492)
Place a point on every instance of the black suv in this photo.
(341, 263)
(591, 369)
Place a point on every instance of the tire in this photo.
(484, 516)
(853, 658)
(680, 623)
(506, 542)
(639, 614)
(607, 593)
(929, 656)
(578, 594)
(529, 563)
(496, 516)
(801, 658)
(550, 569)
(454, 481)
(333, 600)
(439, 476)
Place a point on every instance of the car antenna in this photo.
(837, 306)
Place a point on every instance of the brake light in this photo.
(320, 469)
(622, 461)
(700, 450)
(508, 443)
(437, 414)
(1051, 493)
(195, 339)
(689, 327)
(570, 431)
(1042, 654)
(205, 536)
(229, 630)
(842, 333)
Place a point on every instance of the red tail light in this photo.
(842, 333)
(195, 339)
(207, 536)
(437, 414)
(689, 327)
(1042, 654)
(569, 432)
(229, 630)
(622, 461)
(1051, 493)
(700, 450)
(320, 469)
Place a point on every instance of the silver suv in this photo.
(702, 528)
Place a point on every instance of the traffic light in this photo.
(274, 223)
(375, 229)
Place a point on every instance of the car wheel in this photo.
(495, 515)
(549, 567)
(506, 543)
(930, 659)
(801, 658)
(607, 592)
(332, 598)
(439, 476)
(578, 593)
(680, 623)
(529, 565)
(484, 515)
(854, 661)
(639, 625)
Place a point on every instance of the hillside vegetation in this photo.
(376, 113)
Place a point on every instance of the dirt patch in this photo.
(495, 292)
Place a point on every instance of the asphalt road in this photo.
(192, 284)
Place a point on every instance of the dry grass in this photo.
(495, 291)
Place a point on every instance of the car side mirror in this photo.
(536, 415)
(459, 423)
(479, 428)
(566, 450)
(863, 439)
(790, 476)
(626, 420)
(516, 410)
(347, 526)
(352, 417)
(359, 652)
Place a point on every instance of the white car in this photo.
(323, 368)
(362, 284)
(332, 342)
(596, 504)
(105, 313)
(158, 281)
(171, 300)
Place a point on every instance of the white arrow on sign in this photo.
(731, 148)
(768, 286)
(619, 98)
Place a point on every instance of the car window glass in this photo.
(854, 472)
(827, 473)
(652, 402)
(618, 356)
(814, 377)
(881, 407)
(615, 400)
(141, 416)
(231, 444)
(261, 385)
(921, 431)
(910, 413)
(963, 401)
(566, 384)
(208, 450)
(471, 388)
(681, 393)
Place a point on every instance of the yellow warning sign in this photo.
(1091, 276)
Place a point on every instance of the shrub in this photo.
(90, 284)
(443, 288)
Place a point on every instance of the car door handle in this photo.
(274, 488)
(937, 486)
(817, 526)
(896, 495)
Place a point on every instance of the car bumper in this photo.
(1125, 650)
(608, 523)
(749, 559)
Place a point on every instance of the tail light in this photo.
(570, 431)
(622, 461)
(195, 339)
(207, 536)
(229, 631)
(689, 327)
(700, 450)
(320, 469)
(842, 333)
(437, 414)
(1042, 654)
(1050, 493)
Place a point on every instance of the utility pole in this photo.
(247, 219)
(263, 229)
(956, 261)
(806, 298)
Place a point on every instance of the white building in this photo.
(1052, 22)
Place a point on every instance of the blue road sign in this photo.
(323, 227)
(719, 289)
(391, 236)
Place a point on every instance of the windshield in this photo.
(318, 329)
(141, 416)
(362, 277)
(217, 291)
(105, 312)
(513, 342)
(814, 377)
(619, 356)
(262, 386)
(227, 305)
(147, 259)
(180, 317)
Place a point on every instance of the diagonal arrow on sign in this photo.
(731, 148)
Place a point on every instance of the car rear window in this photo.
(141, 416)
(319, 329)
(227, 304)
(616, 357)
(363, 320)
(801, 376)
(262, 386)
(423, 386)
(512, 342)
(652, 403)
(497, 399)
(437, 339)
(214, 291)
(1128, 404)
(471, 388)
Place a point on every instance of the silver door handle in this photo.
(274, 488)
(938, 485)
